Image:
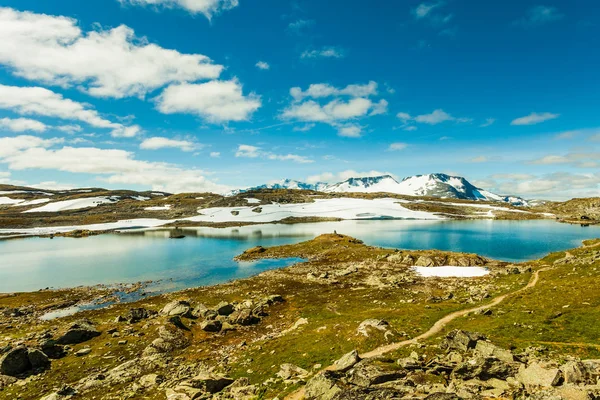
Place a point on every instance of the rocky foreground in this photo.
(348, 323)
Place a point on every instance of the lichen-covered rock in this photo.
(323, 386)
(211, 326)
(462, 340)
(347, 361)
(536, 375)
(177, 307)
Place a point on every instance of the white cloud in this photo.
(488, 122)
(157, 142)
(540, 15)
(263, 65)
(215, 101)
(340, 112)
(351, 131)
(215, 154)
(299, 25)
(557, 185)
(207, 7)
(324, 52)
(424, 9)
(436, 117)
(111, 165)
(9, 146)
(104, 63)
(304, 128)
(22, 125)
(44, 102)
(579, 160)
(534, 118)
(397, 146)
(431, 13)
(71, 129)
(322, 90)
(247, 151)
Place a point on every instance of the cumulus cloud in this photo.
(263, 65)
(110, 165)
(22, 125)
(214, 101)
(248, 151)
(324, 52)
(321, 90)
(215, 154)
(208, 8)
(554, 186)
(349, 104)
(156, 143)
(44, 102)
(534, 118)
(104, 63)
(436, 117)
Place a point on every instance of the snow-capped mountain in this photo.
(432, 185)
(372, 184)
(285, 184)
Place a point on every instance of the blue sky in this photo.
(193, 95)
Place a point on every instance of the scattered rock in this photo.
(378, 324)
(323, 386)
(83, 352)
(292, 372)
(347, 361)
(79, 332)
(211, 326)
(461, 340)
(224, 308)
(535, 375)
(177, 307)
(15, 362)
(138, 314)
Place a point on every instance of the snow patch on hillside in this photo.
(76, 204)
(451, 272)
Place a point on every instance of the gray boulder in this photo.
(323, 386)
(177, 307)
(224, 308)
(211, 326)
(347, 361)
(210, 383)
(487, 349)
(536, 375)
(243, 317)
(38, 360)
(462, 340)
(15, 362)
(81, 331)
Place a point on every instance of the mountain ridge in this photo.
(431, 185)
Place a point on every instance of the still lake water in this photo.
(205, 256)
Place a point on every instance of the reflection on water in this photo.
(205, 255)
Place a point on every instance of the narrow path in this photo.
(435, 329)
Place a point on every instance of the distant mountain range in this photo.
(432, 185)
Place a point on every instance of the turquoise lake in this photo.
(205, 255)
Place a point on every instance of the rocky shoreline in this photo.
(273, 335)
